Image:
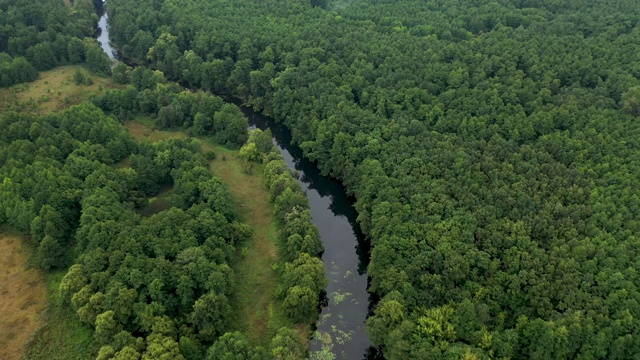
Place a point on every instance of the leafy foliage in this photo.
(40, 35)
(151, 288)
(491, 147)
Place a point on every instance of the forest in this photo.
(491, 148)
(40, 35)
(75, 182)
(150, 287)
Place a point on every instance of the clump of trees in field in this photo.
(199, 113)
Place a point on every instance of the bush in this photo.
(79, 77)
(210, 155)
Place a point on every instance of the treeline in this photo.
(40, 35)
(491, 146)
(172, 107)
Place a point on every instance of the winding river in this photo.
(346, 256)
(102, 35)
(340, 328)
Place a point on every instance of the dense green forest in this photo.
(151, 287)
(39, 35)
(492, 147)
(148, 286)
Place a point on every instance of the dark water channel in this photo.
(102, 34)
(346, 256)
(340, 327)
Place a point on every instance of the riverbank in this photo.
(340, 330)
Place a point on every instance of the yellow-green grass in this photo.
(257, 312)
(54, 90)
(63, 337)
(141, 129)
(22, 295)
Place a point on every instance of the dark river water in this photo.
(340, 327)
(102, 35)
(346, 256)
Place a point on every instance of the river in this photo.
(340, 328)
(346, 251)
(102, 34)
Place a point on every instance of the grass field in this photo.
(54, 90)
(63, 336)
(34, 322)
(257, 313)
(142, 129)
(22, 296)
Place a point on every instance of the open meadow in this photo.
(22, 295)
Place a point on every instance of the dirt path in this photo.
(23, 296)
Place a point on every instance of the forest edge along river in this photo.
(346, 251)
(340, 327)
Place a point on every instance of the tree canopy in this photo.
(491, 146)
(150, 287)
(39, 35)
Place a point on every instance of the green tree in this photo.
(300, 304)
(106, 327)
(160, 347)
(50, 253)
(230, 346)
(42, 56)
(74, 280)
(121, 73)
(127, 353)
(230, 126)
(631, 101)
(210, 315)
(287, 345)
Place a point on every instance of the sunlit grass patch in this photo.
(54, 90)
(22, 295)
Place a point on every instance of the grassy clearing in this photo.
(142, 129)
(34, 323)
(158, 203)
(54, 90)
(22, 295)
(63, 337)
(257, 312)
